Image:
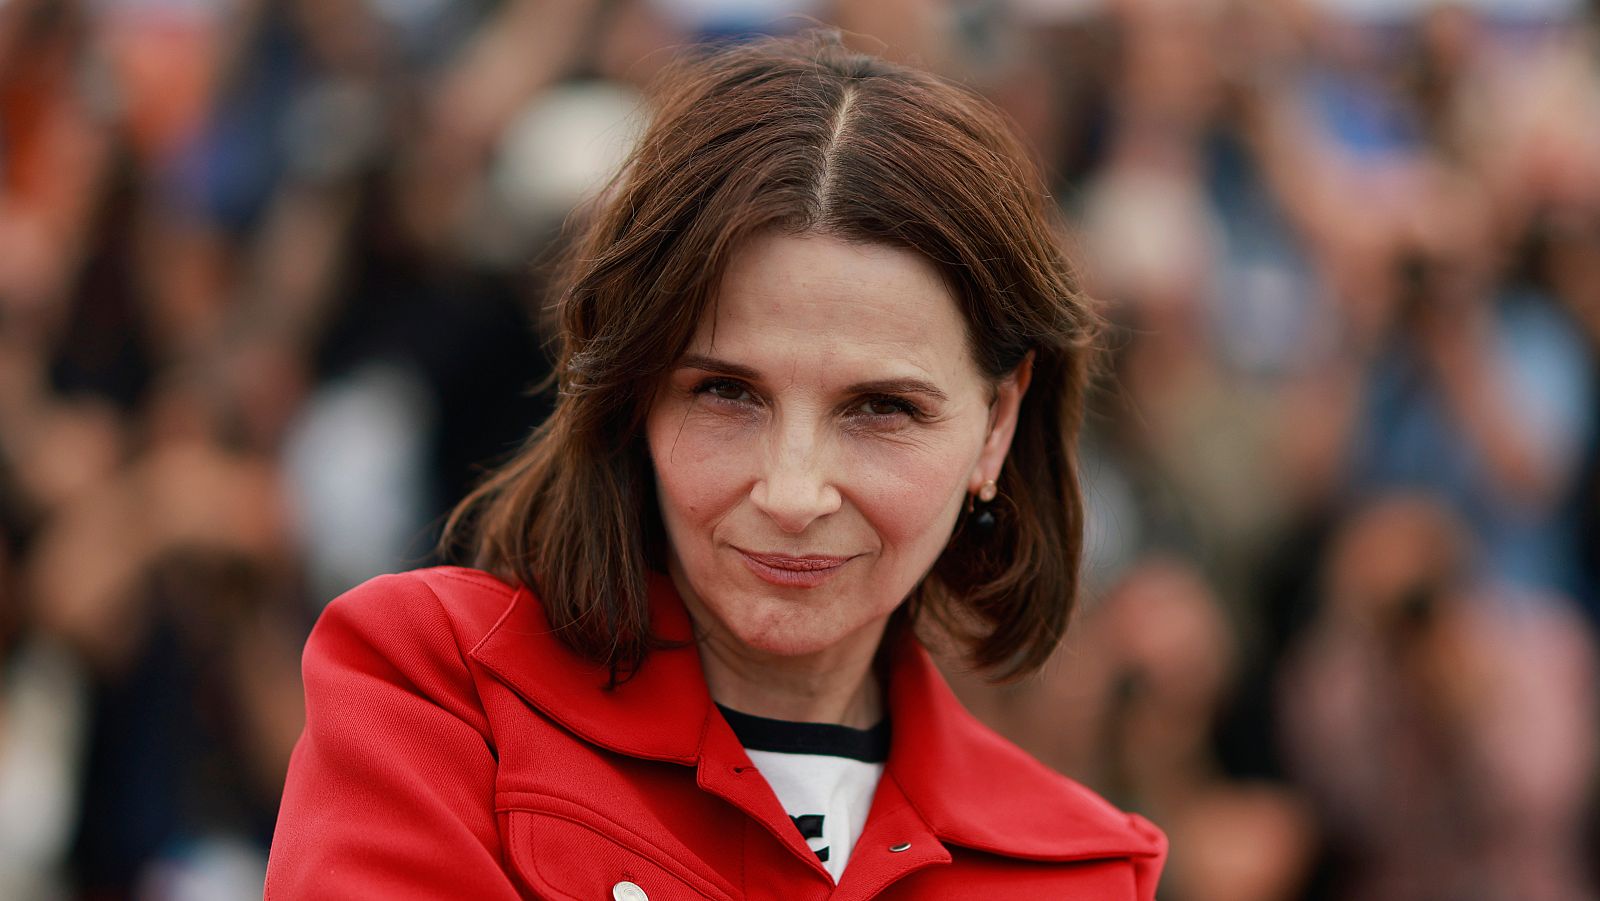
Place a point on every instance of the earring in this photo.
(983, 518)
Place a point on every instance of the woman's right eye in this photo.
(724, 389)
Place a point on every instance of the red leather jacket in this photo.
(454, 749)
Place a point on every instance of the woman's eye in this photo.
(723, 389)
(886, 406)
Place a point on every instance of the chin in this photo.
(781, 630)
(786, 644)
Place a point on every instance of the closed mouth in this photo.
(791, 571)
(807, 563)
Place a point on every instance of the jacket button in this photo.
(627, 891)
(903, 846)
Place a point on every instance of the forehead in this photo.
(818, 299)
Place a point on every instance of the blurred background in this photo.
(268, 294)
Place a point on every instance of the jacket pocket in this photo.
(559, 849)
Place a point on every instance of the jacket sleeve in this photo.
(390, 792)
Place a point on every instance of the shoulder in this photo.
(1038, 815)
(396, 735)
(440, 603)
(1013, 804)
(411, 630)
(1014, 824)
(980, 791)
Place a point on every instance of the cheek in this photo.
(697, 469)
(911, 498)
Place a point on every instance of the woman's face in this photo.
(814, 445)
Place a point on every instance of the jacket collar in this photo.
(978, 790)
(659, 714)
(952, 770)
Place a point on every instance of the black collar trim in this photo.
(758, 733)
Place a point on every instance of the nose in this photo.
(796, 488)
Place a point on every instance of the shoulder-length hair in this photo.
(804, 136)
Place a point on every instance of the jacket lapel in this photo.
(663, 713)
(659, 714)
(978, 790)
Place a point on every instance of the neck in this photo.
(821, 688)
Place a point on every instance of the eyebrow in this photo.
(876, 386)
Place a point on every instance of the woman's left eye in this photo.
(886, 406)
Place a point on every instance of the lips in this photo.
(806, 571)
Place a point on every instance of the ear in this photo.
(1002, 423)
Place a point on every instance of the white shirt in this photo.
(823, 774)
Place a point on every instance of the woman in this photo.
(820, 366)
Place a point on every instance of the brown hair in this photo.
(801, 135)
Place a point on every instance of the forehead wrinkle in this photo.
(909, 342)
(785, 312)
(829, 367)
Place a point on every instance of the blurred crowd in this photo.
(270, 277)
